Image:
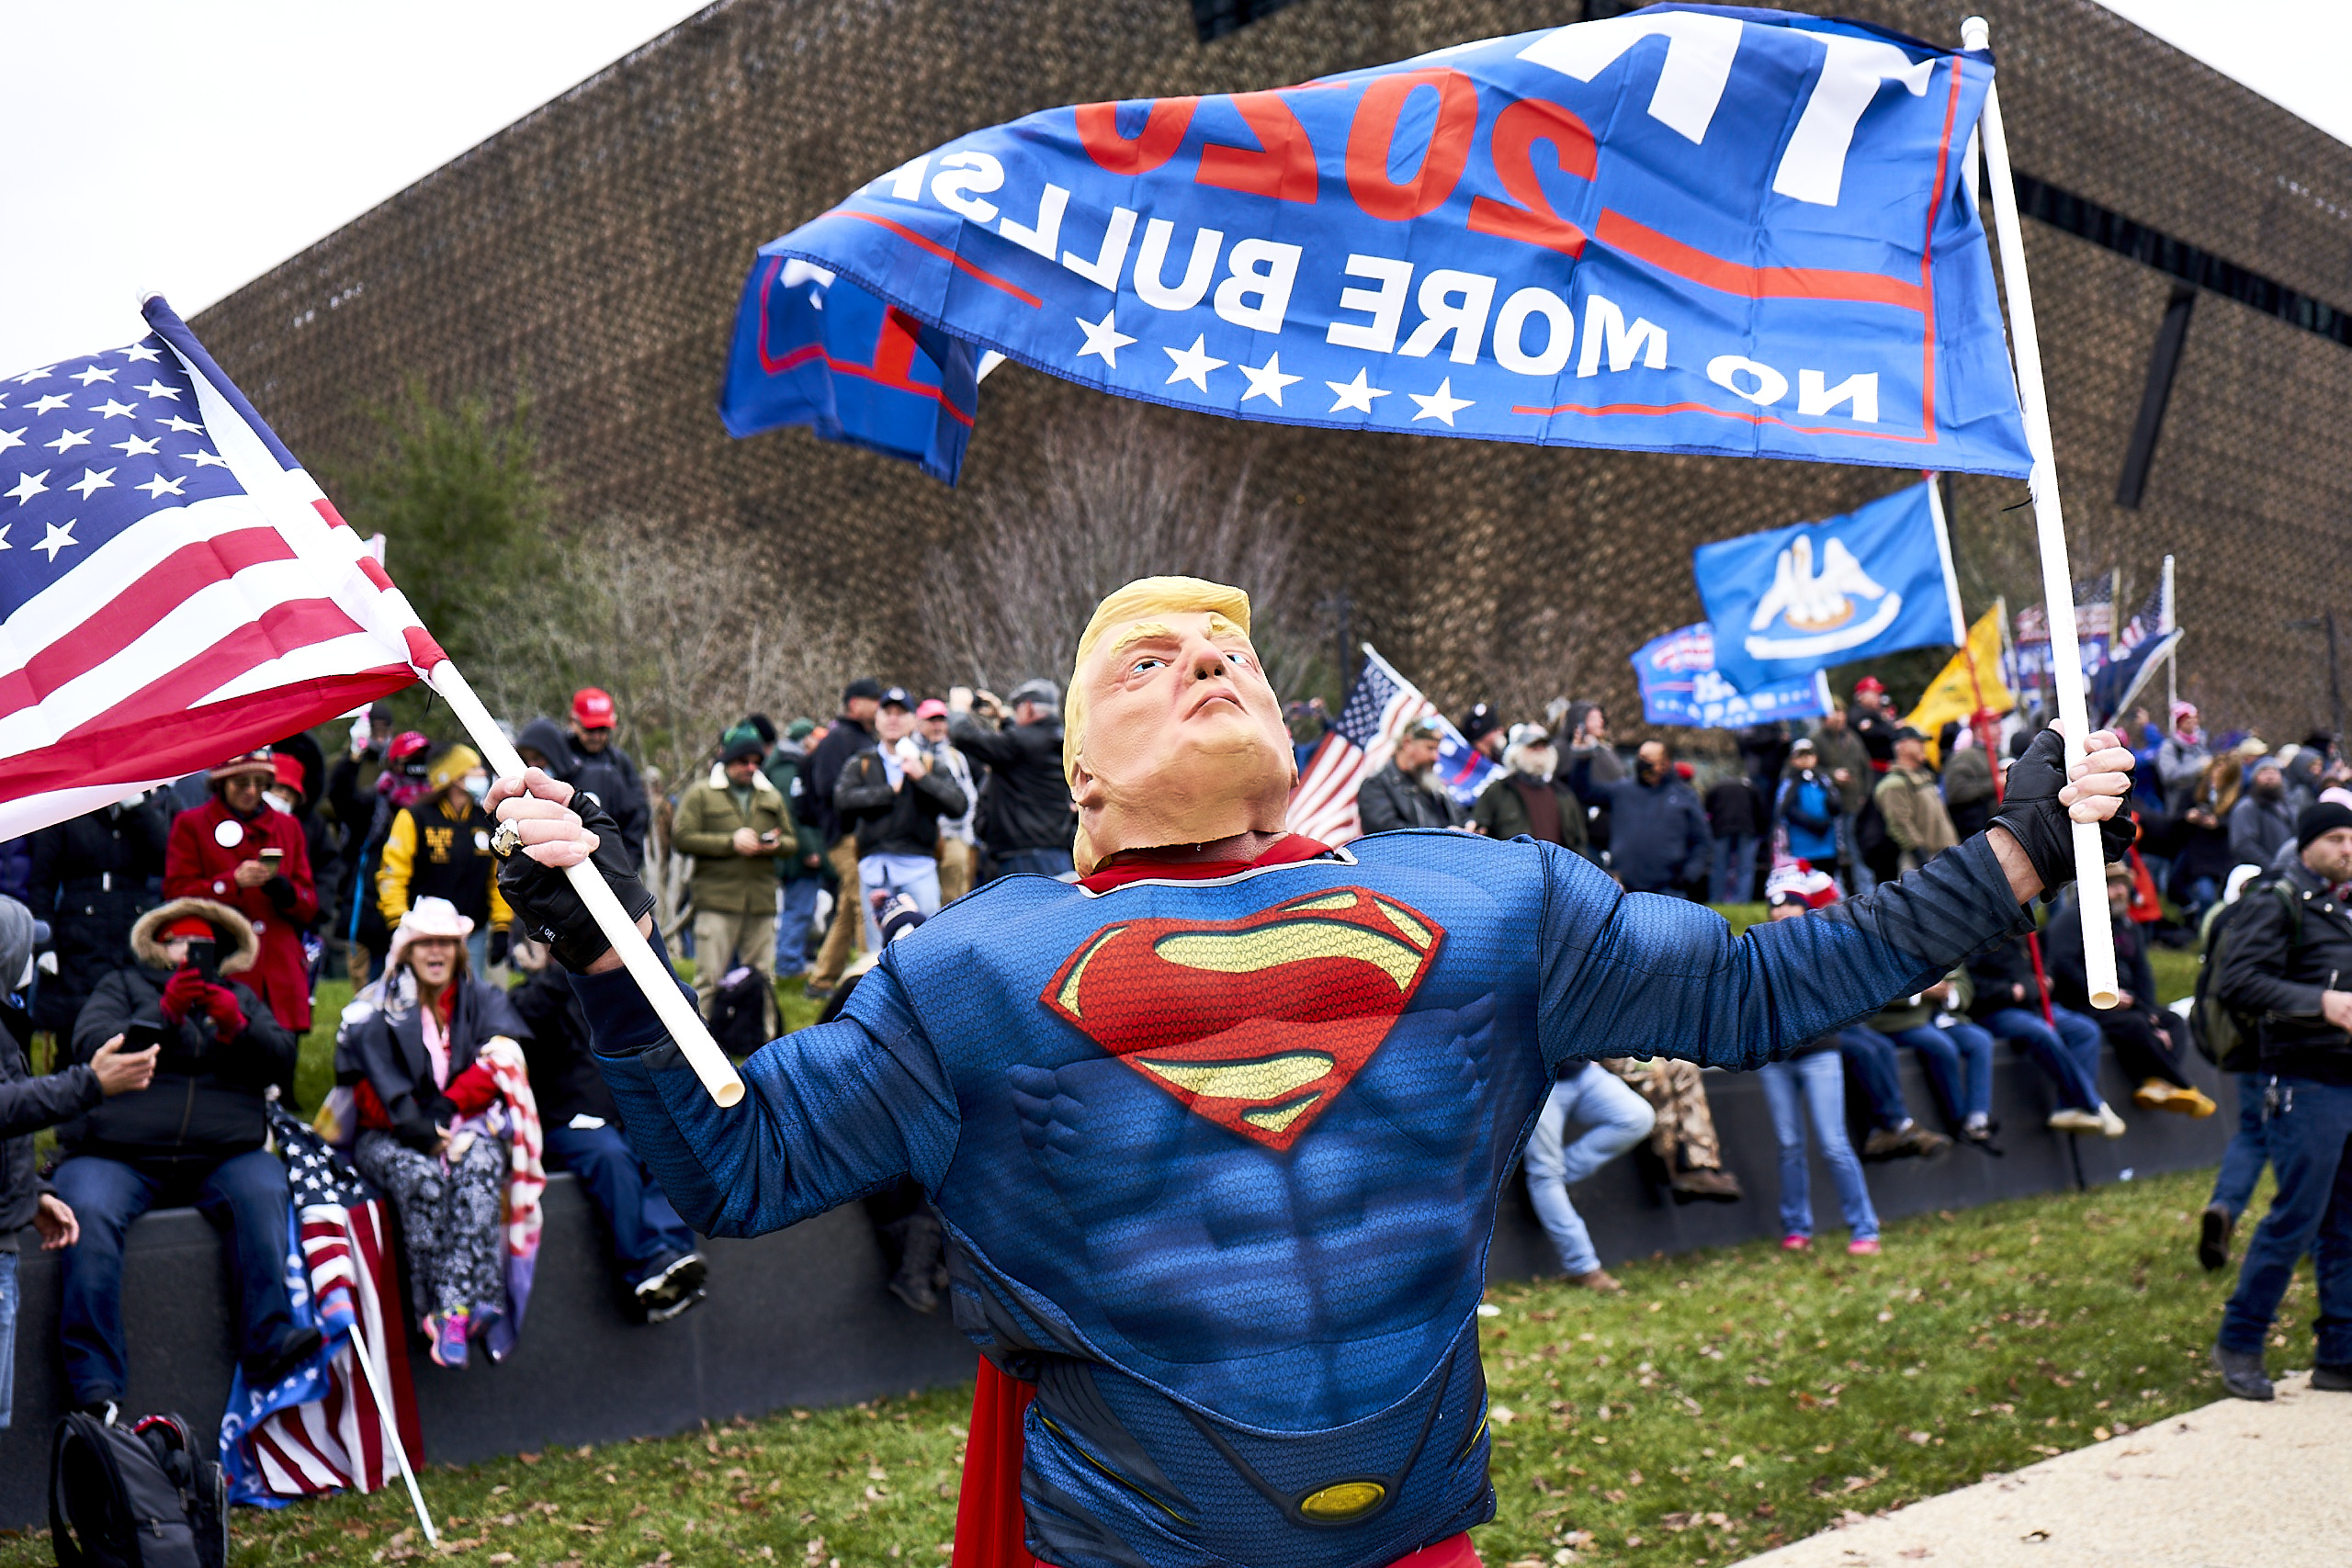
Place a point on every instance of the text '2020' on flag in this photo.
(174, 588)
(1679, 684)
(1693, 228)
(1790, 601)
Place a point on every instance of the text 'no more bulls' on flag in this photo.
(174, 588)
(1695, 228)
(1790, 601)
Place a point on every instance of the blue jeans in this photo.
(1039, 863)
(1735, 868)
(1959, 1059)
(7, 1336)
(245, 1192)
(2069, 1054)
(916, 877)
(1615, 1118)
(478, 952)
(2307, 1125)
(795, 909)
(1870, 1056)
(646, 1230)
(2241, 1162)
(1819, 1078)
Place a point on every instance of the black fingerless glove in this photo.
(547, 908)
(2030, 810)
(501, 944)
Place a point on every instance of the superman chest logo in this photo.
(1258, 1024)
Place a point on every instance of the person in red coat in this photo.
(235, 850)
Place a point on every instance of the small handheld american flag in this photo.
(1384, 703)
(174, 588)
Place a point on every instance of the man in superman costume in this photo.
(1218, 1132)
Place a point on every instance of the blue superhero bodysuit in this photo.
(1219, 1160)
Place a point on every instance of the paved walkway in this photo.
(2232, 1485)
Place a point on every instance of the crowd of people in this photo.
(170, 944)
(1800, 820)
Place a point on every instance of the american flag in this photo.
(174, 588)
(1384, 703)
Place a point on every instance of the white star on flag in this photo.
(5, 545)
(1104, 338)
(208, 459)
(92, 481)
(179, 426)
(29, 377)
(137, 447)
(67, 440)
(1193, 364)
(89, 373)
(1440, 404)
(157, 487)
(1267, 380)
(139, 352)
(13, 437)
(27, 486)
(113, 410)
(158, 389)
(1356, 394)
(57, 538)
(54, 401)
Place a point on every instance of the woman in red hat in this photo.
(235, 850)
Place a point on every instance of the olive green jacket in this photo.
(725, 882)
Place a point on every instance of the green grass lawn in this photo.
(1731, 1399)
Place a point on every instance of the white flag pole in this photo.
(2050, 526)
(357, 1346)
(661, 989)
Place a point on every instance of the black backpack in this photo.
(2230, 1040)
(738, 1021)
(134, 1496)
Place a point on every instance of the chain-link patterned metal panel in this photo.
(593, 252)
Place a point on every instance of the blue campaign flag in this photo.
(1799, 599)
(1692, 229)
(1680, 685)
(812, 350)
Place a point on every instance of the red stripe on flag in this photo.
(944, 253)
(134, 612)
(277, 630)
(1644, 243)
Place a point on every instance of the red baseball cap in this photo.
(591, 708)
(932, 708)
(1869, 683)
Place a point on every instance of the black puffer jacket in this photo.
(206, 1100)
(92, 878)
(1028, 798)
(386, 1047)
(2279, 964)
(902, 821)
(26, 1105)
(564, 1079)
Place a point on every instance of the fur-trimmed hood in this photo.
(147, 942)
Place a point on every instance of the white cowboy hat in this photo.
(428, 917)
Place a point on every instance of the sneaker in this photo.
(106, 1410)
(2334, 1379)
(2110, 1123)
(2213, 1228)
(2072, 1121)
(1600, 1280)
(2157, 1095)
(1706, 1185)
(2242, 1374)
(447, 1334)
(676, 1284)
(1904, 1141)
(1864, 1247)
(1796, 1244)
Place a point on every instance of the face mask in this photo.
(477, 785)
(275, 804)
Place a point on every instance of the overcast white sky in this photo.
(190, 148)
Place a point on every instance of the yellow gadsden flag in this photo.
(1960, 691)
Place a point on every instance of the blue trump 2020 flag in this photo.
(1795, 600)
(1692, 228)
(1680, 685)
(811, 350)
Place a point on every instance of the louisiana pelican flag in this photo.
(1692, 228)
(1787, 603)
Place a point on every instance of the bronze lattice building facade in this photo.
(596, 248)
